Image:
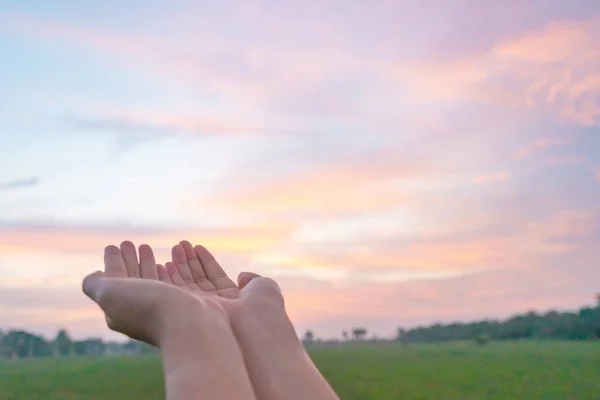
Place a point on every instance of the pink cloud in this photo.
(565, 159)
(91, 239)
(338, 188)
(492, 241)
(329, 307)
(552, 69)
(495, 177)
(544, 143)
(268, 74)
(140, 120)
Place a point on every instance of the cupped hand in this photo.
(137, 302)
(276, 361)
(195, 270)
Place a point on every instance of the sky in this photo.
(390, 164)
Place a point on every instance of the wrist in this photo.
(187, 321)
(201, 357)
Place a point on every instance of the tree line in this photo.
(23, 344)
(583, 324)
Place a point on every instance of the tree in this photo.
(345, 335)
(359, 333)
(63, 346)
(482, 339)
(89, 347)
(401, 336)
(22, 344)
(138, 347)
(308, 337)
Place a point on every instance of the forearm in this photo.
(199, 364)
(287, 374)
(278, 365)
(211, 379)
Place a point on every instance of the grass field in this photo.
(507, 371)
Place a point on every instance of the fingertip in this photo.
(199, 247)
(202, 252)
(179, 255)
(127, 244)
(245, 277)
(96, 274)
(188, 250)
(170, 267)
(163, 274)
(88, 283)
(111, 248)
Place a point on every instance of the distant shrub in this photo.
(483, 339)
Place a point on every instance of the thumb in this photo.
(245, 277)
(91, 285)
(123, 296)
(252, 284)
(131, 306)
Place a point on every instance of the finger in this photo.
(131, 261)
(245, 277)
(114, 264)
(180, 260)
(174, 274)
(87, 285)
(147, 263)
(257, 287)
(196, 268)
(213, 270)
(163, 274)
(129, 304)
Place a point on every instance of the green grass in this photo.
(507, 371)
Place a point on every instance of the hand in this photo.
(277, 363)
(254, 300)
(201, 357)
(133, 298)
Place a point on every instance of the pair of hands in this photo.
(218, 338)
(140, 297)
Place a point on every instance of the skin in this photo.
(276, 361)
(201, 357)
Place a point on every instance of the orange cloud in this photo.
(384, 306)
(327, 191)
(375, 258)
(330, 307)
(553, 69)
(91, 239)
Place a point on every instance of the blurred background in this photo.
(392, 164)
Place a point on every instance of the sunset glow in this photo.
(391, 164)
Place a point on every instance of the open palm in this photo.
(195, 269)
(134, 300)
(254, 303)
